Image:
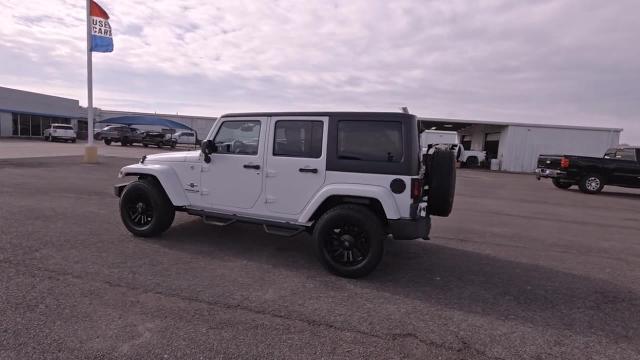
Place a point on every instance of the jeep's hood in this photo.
(174, 156)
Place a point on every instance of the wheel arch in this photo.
(592, 170)
(166, 177)
(376, 198)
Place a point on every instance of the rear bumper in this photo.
(550, 173)
(409, 229)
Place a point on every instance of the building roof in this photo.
(503, 123)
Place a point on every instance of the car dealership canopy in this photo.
(132, 120)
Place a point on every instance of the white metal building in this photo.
(27, 114)
(515, 145)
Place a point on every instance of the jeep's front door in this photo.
(296, 162)
(233, 178)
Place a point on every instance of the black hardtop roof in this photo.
(624, 147)
(368, 115)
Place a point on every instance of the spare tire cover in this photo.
(442, 182)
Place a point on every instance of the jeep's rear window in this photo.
(370, 140)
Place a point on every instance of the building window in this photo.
(16, 125)
(34, 125)
(466, 142)
(25, 125)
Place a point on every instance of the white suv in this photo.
(59, 132)
(349, 179)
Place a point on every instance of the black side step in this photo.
(270, 227)
(283, 231)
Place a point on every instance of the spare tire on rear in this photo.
(441, 178)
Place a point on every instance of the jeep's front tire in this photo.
(145, 209)
(349, 240)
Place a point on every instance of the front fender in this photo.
(379, 193)
(167, 177)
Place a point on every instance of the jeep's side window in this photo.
(238, 137)
(370, 140)
(297, 138)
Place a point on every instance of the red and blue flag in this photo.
(101, 38)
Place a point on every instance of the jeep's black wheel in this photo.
(145, 208)
(349, 240)
(107, 141)
(561, 185)
(591, 184)
(442, 182)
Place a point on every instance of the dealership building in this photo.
(514, 146)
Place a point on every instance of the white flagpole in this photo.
(91, 151)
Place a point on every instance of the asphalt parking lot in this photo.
(521, 270)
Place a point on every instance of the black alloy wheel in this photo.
(139, 209)
(349, 240)
(346, 244)
(145, 209)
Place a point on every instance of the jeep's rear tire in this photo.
(591, 184)
(107, 141)
(561, 185)
(349, 240)
(145, 209)
(442, 182)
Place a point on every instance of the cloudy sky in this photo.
(559, 62)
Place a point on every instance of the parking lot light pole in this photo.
(90, 151)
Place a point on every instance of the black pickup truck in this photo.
(619, 166)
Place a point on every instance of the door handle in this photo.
(308, 170)
(251, 166)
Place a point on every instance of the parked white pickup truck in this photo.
(449, 140)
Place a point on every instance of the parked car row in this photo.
(126, 135)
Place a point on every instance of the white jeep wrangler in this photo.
(348, 178)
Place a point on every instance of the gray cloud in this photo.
(562, 61)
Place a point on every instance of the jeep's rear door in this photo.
(295, 162)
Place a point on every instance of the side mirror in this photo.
(208, 147)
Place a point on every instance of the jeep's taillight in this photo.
(416, 188)
(564, 163)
